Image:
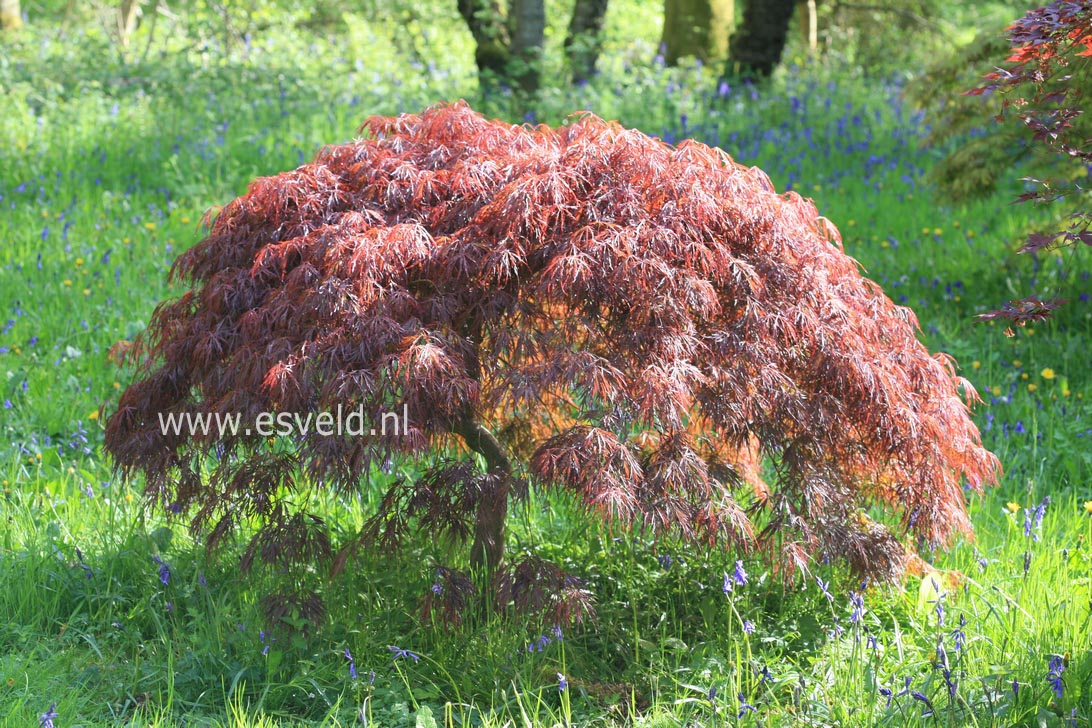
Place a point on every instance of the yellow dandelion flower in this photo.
(149, 225)
(976, 364)
(1087, 504)
(937, 231)
(996, 391)
(1017, 363)
(1032, 387)
(94, 415)
(87, 291)
(970, 233)
(1024, 375)
(925, 231)
(1047, 373)
(885, 244)
(79, 261)
(117, 385)
(1013, 507)
(67, 282)
(184, 220)
(128, 497)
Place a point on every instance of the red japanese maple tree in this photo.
(586, 309)
(1049, 67)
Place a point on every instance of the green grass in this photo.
(107, 164)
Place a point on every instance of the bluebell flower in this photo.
(886, 692)
(1054, 675)
(1015, 688)
(739, 574)
(665, 561)
(745, 707)
(163, 571)
(824, 587)
(398, 652)
(920, 697)
(712, 694)
(959, 637)
(46, 719)
(562, 683)
(727, 586)
(748, 626)
(857, 602)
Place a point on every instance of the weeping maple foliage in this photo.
(585, 309)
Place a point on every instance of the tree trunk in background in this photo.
(11, 18)
(698, 28)
(527, 28)
(127, 20)
(485, 20)
(757, 45)
(585, 38)
(809, 24)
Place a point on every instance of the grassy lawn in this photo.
(108, 163)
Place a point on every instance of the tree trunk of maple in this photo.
(698, 28)
(528, 33)
(585, 37)
(487, 550)
(757, 45)
(11, 17)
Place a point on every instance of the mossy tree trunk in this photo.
(699, 28)
(757, 46)
(527, 28)
(585, 38)
(508, 38)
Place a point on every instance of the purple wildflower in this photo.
(1054, 676)
(920, 697)
(958, 635)
(46, 719)
(857, 602)
(398, 652)
(739, 575)
(748, 626)
(562, 683)
(745, 707)
(824, 587)
(352, 664)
